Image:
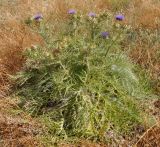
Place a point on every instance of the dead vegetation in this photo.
(14, 38)
(82, 144)
(144, 15)
(151, 137)
(16, 130)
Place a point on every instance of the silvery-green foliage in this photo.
(82, 82)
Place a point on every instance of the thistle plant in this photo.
(84, 88)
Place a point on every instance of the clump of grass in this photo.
(82, 84)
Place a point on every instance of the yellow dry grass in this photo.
(22, 9)
(14, 38)
(144, 13)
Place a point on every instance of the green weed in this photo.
(82, 83)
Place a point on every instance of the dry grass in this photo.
(19, 130)
(151, 137)
(145, 14)
(14, 132)
(140, 12)
(4, 86)
(147, 57)
(82, 144)
(14, 38)
(10, 10)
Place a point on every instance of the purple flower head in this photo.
(119, 17)
(71, 11)
(105, 34)
(38, 17)
(92, 14)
